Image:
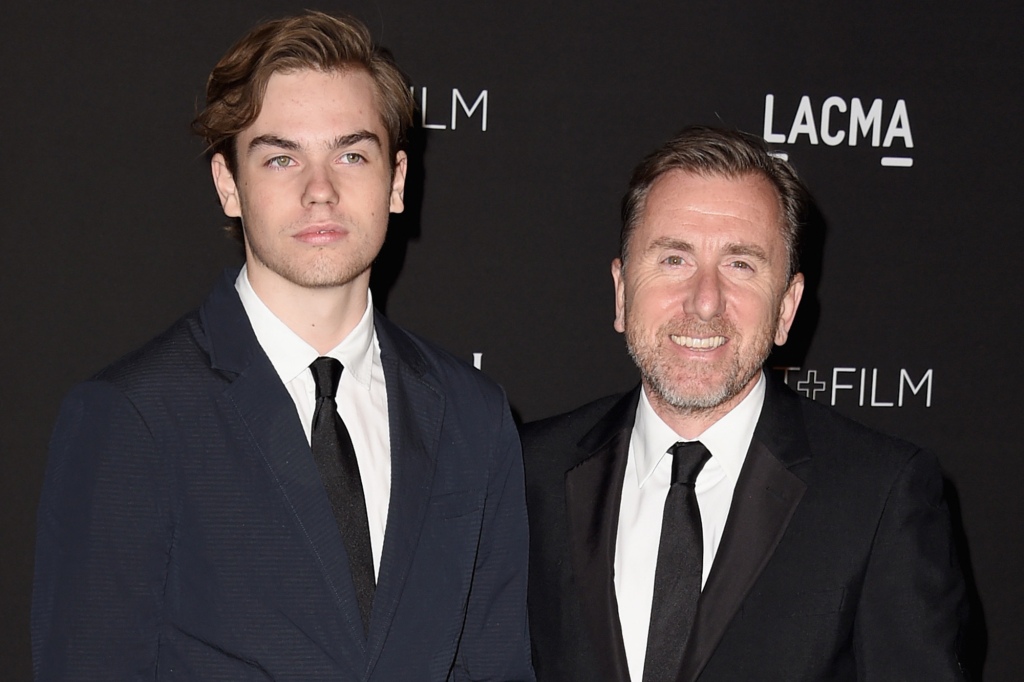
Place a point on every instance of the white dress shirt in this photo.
(362, 397)
(644, 489)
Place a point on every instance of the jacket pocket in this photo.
(796, 603)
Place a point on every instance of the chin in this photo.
(693, 394)
(700, 402)
(325, 275)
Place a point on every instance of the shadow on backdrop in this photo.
(403, 227)
(974, 644)
(812, 254)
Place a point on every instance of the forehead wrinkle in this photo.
(724, 211)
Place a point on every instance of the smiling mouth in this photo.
(694, 343)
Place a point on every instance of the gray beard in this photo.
(658, 374)
(654, 376)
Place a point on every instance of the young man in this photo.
(285, 485)
(710, 524)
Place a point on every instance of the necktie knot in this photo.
(326, 376)
(687, 461)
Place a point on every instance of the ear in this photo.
(398, 183)
(620, 295)
(227, 190)
(787, 308)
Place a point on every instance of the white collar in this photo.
(728, 439)
(290, 355)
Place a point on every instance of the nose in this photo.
(706, 299)
(320, 187)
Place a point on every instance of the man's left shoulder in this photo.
(455, 378)
(839, 441)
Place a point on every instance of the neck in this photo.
(323, 316)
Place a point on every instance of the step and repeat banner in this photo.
(904, 119)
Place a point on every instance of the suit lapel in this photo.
(593, 491)
(766, 496)
(415, 413)
(277, 439)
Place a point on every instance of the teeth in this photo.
(702, 344)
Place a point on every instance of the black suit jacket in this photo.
(184, 533)
(836, 562)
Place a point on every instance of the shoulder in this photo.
(840, 448)
(163, 377)
(568, 427)
(554, 445)
(118, 416)
(832, 431)
(180, 343)
(430, 360)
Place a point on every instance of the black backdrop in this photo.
(110, 226)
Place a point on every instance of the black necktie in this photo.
(336, 459)
(678, 572)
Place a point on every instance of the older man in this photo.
(710, 524)
(285, 485)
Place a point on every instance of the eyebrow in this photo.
(273, 141)
(749, 250)
(670, 243)
(339, 142)
(731, 249)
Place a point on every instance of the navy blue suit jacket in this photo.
(184, 533)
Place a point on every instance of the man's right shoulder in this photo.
(174, 358)
(562, 432)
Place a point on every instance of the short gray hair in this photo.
(709, 151)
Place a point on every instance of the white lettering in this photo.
(826, 114)
(874, 387)
(785, 373)
(803, 122)
(423, 113)
(865, 123)
(835, 380)
(769, 115)
(481, 100)
(904, 377)
(899, 126)
(478, 360)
